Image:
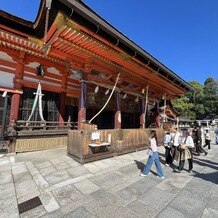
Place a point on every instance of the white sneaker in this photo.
(141, 174)
(166, 165)
(162, 177)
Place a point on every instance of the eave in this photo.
(68, 18)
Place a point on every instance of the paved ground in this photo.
(106, 188)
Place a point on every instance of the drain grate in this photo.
(29, 205)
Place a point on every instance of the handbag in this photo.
(170, 144)
(149, 152)
(179, 148)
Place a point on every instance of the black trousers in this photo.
(168, 155)
(207, 143)
(199, 149)
(190, 162)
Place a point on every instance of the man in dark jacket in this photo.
(198, 141)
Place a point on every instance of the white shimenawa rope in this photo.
(38, 96)
(107, 100)
(146, 105)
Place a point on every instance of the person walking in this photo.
(186, 149)
(198, 139)
(207, 139)
(168, 145)
(176, 140)
(153, 158)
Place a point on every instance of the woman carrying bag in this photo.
(185, 150)
(153, 158)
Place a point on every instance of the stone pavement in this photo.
(106, 188)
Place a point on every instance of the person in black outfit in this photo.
(198, 141)
(168, 145)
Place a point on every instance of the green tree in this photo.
(200, 104)
(211, 97)
(197, 98)
(184, 107)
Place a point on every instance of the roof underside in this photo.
(80, 38)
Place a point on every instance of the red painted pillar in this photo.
(15, 100)
(117, 117)
(62, 101)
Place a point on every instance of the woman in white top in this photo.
(153, 158)
(189, 145)
(176, 140)
(168, 145)
(207, 139)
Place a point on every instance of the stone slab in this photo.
(5, 177)
(40, 181)
(49, 202)
(80, 212)
(8, 208)
(47, 170)
(144, 184)
(141, 210)
(107, 205)
(189, 203)
(62, 166)
(171, 212)
(86, 186)
(27, 197)
(57, 177)
(107, 180)
(77, 171)
(67, 194)
(92, 167)
(43, 164)
(7, 190)
(156, 198)
(200, 187)
(19, 168)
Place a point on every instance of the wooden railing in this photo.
(21, 125)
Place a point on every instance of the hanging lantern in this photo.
(40, 70)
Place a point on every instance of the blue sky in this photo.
(182, 34)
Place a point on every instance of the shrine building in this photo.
(72, 79)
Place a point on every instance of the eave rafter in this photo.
(70, 43)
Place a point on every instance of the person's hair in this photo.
(153, 134)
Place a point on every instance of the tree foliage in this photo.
(201, 104)
(211, 97)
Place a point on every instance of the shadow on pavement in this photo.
(141, 166)
(210, 177)
(206, 163)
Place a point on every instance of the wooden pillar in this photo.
(117, 118)
(15, 100)
(157, 115)
(62, 101)
(82, 104)
(142, 115)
